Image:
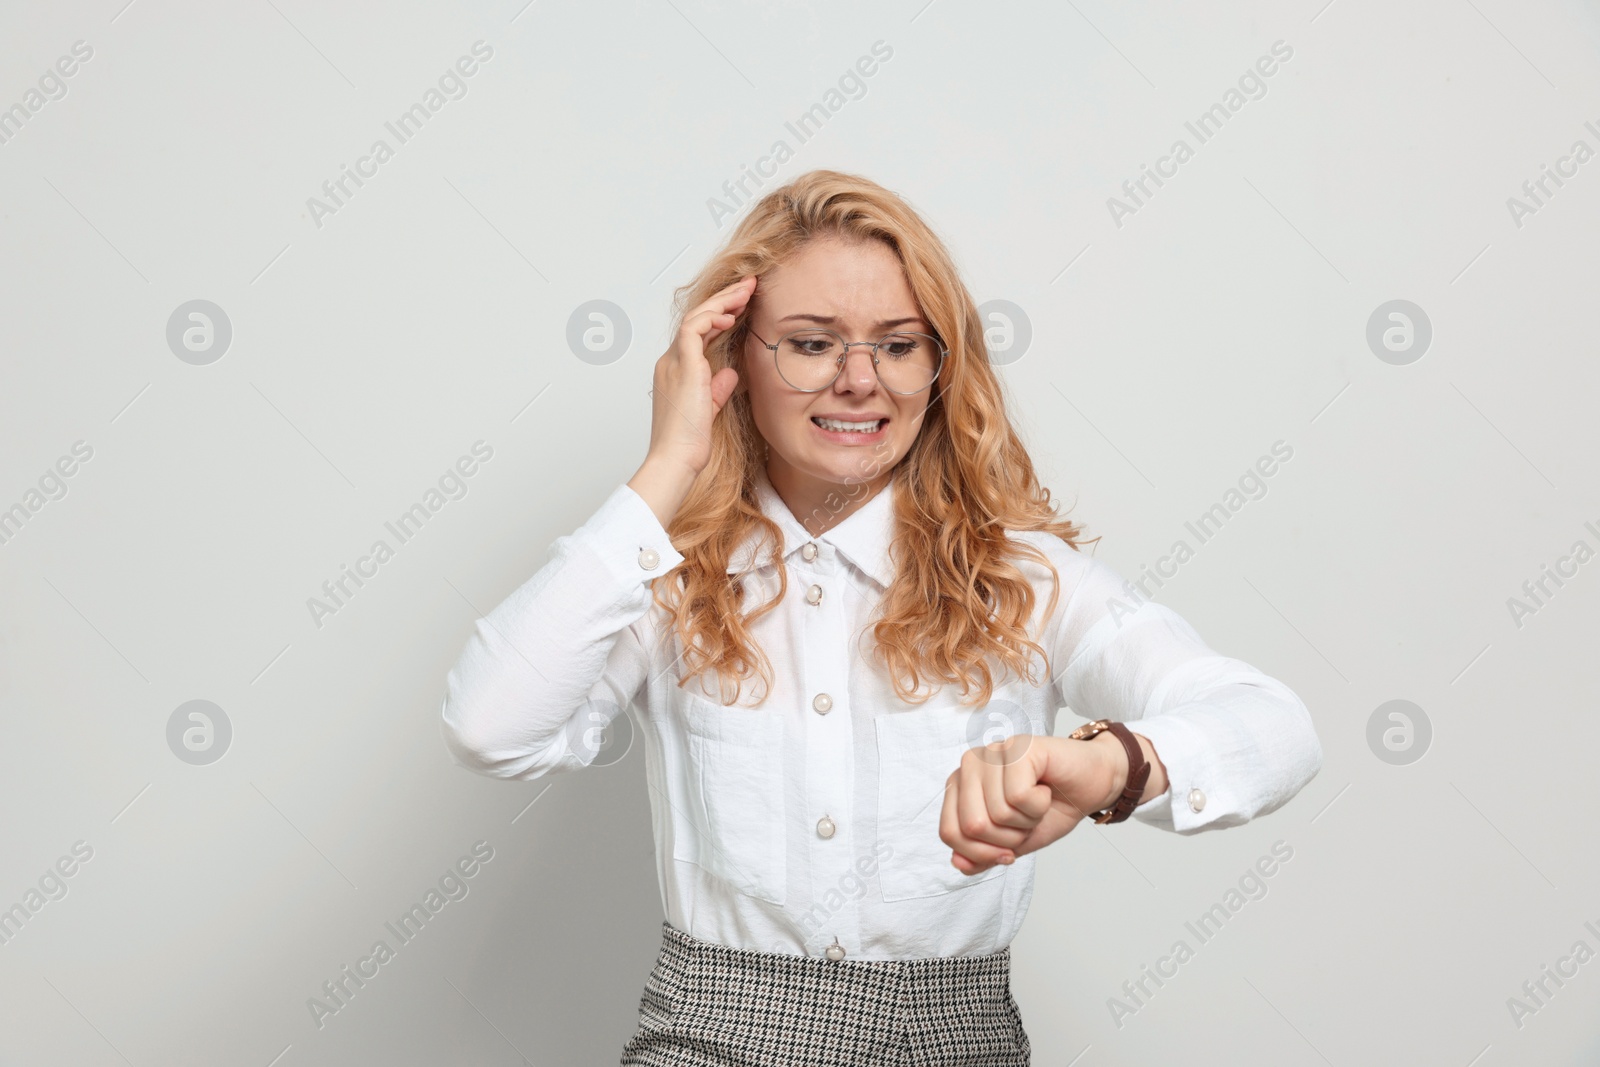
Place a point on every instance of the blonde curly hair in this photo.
(957, 598)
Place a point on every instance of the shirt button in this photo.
(822, 703)
(1197, 800)
(834, 951)
(814, 595)
(649, 558)
(808, 551)
(825, 827)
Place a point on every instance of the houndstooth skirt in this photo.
(708, 1005)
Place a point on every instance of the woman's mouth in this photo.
(840, 429)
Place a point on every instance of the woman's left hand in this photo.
(1016, 796)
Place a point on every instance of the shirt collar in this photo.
(862, 538)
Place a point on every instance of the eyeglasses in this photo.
(810, 360)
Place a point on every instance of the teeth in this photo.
(858, 427)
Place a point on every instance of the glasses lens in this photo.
(907, 362)
(810, 358)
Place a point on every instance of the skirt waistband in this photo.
(684, 944)
(709, 1005)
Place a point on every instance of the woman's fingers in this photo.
(710, 320)
(966, 825)
(1001, 771)
(995, 805)
(718, 325)
(969, 854)
(688, 396)
(716, 314)
(730, 298)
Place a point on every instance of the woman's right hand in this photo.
(685, 398)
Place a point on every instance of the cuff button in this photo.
(1197, 800)
(649, 558)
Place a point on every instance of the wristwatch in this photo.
(1138, 768)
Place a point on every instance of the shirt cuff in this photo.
(1197, 795)
(628, 539)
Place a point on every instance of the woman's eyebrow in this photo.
(831, 320)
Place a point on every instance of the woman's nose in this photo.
(859, 374)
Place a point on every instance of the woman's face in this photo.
(858, 290)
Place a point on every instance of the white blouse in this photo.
(813, 820)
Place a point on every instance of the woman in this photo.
(849, 614)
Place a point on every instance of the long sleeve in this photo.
(565, 653)
(1235, 742)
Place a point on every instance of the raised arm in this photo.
(547, 670)
(565, 653)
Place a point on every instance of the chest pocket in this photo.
(917, 751)
(735, 787)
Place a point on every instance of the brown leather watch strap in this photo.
(1138, 769)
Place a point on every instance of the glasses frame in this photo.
(844, 357)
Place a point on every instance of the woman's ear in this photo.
(722, 389)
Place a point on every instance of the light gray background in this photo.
(1168, 354)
